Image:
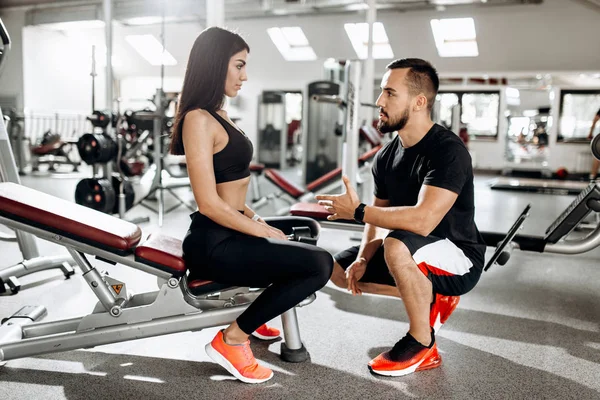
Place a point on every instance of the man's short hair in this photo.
(422, 77)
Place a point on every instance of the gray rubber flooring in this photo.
(529, 330)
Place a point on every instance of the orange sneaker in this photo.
(407, 356)
(238, 360)
(441, 309)
(265, 332)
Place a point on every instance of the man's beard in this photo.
(393, 125)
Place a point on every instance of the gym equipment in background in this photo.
(272, 130)
(279, 129)
(322, 138)
(160, 132)
(53, 150)
(32, 261)
(107, 191)
(542, 186)
(595, 147)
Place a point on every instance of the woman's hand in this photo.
(267, 231)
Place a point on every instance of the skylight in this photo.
(455, 37)
(150, 48)
(359, 36)
(292, 43)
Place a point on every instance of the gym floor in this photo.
(530, 329)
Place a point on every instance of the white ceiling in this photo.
(523, 40)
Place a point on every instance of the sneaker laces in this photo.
(248, 355)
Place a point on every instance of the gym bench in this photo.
(181, 303)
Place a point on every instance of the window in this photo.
(455, 37)
(577, 110)
(292, 43)
(359, 36)
(478, 112)
(447, 103)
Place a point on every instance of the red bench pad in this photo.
(165, 253)
(310, 210)
(284, 184)
(369, 154)
(65, 218)
(162, 252)
(257, 167)
(325, 179)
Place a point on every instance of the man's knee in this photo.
(396, 253)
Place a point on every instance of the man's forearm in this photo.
(371, 241)
(394, 218)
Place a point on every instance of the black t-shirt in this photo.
(439, 159)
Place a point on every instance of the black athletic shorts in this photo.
(450, 271)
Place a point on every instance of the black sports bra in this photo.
(233, 162)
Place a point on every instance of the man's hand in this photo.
(341, 206)
(354, 273)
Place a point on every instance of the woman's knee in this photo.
(321, 265)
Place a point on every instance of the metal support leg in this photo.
(94, 279)
(292, 350)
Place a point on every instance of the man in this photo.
(595, 162)
(420, 240)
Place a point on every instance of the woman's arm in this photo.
(198, 139)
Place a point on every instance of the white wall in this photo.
(56, 73)
(11, 80)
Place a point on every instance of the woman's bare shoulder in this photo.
(199, 117)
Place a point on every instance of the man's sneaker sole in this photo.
(433, 361)
(223, 362)
(263, 337)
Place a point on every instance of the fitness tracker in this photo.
(359, 213)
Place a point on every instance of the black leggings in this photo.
(290, 271)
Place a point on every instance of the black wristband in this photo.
(359, 213)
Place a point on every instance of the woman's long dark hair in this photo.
(204, 82)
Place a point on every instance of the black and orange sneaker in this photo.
(441, 309)
(406, 357)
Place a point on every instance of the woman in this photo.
(228, 242)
